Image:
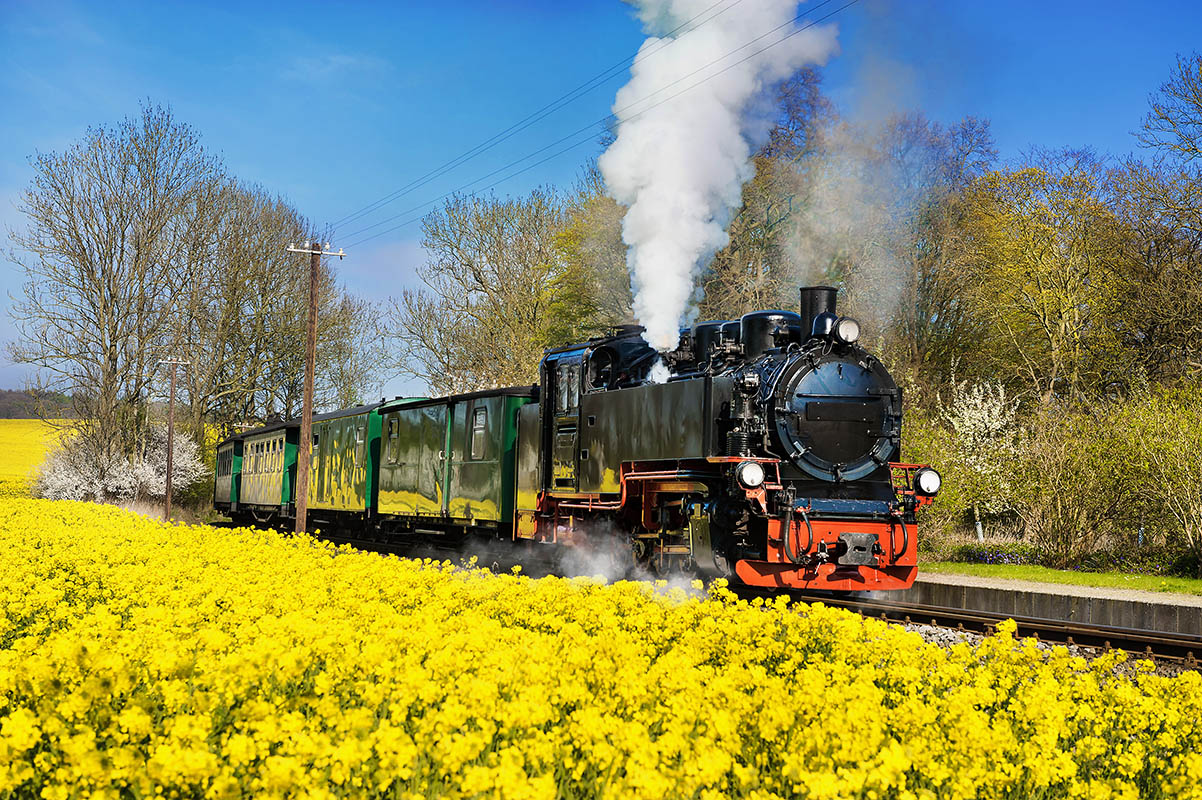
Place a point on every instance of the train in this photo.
(764, 450)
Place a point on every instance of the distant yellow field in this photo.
(23, 445)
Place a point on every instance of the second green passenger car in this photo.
(409, 465)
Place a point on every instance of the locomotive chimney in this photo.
(815, 300)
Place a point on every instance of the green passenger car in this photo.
(342, 470)
(447, 464)
(428, 465)
(266, 479)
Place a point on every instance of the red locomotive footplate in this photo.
(892, 557)
(826, 576)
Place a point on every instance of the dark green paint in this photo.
(288, 493)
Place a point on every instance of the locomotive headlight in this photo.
(847, 330)
(749, 474)
(927, 481)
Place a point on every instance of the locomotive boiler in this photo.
(770, 454)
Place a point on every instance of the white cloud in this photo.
(329, 67)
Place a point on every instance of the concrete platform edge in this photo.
(1151, 616)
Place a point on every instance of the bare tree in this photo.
(140, 246)
(497, 293)
(1158, 269)
(757, 269)
(352, 354)
(1174, 122)
(109, 224)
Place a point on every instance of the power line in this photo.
(563, 100)
(592, 126)
(604, 119)
(527, 168)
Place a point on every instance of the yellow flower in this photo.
(20, 730)
(146, 660)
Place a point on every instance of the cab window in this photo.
(567, 378)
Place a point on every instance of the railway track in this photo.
(1183, 649)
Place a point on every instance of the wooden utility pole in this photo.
(171, 434)
(305, 445)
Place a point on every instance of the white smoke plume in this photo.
(659, 372)
(682, 154)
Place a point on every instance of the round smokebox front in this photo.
(837, 417)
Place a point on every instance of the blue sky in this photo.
(336, 105)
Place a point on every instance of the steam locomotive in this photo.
(769, 455)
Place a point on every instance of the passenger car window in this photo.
(394, 440)
(479, 433)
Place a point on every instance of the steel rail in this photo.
(1177, 647)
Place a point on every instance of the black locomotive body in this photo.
(769, 453)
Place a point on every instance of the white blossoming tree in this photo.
(71, 471)
(985, 423)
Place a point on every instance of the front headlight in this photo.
(750, 474)
(927, 481)
(847, 330)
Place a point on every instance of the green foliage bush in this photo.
(925, 440)
(1078, 482)
(1101, 486)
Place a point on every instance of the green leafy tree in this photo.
(1037, 268)
(593, 253)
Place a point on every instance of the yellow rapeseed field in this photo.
(139, 659)
(23, 445)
